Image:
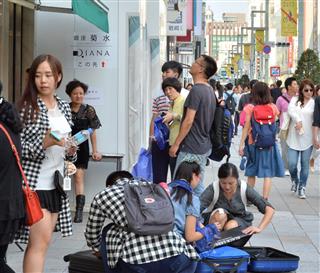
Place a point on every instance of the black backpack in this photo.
(221, 133)
(231, 103)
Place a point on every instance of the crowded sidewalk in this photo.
(295, 227)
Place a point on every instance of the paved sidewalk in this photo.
(295, 228)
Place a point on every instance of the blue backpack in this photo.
(263, 126)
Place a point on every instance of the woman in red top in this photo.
(265, 163)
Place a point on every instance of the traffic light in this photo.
(280, 44)
(232, 70)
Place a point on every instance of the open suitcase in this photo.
(224, 259)
(267, 259)
(84, 262)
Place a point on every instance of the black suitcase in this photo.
(84, 262)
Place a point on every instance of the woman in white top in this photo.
(299, 138)
(46, 124)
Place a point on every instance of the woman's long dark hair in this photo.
(261, 94)
(9, 115)
(301, 87)
(184, 172)
(30, 94)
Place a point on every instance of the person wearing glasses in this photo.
(299, 140)
(193, 141)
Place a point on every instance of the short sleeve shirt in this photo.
(235, 206)
(182, 210)
(160, 104)
(85, 118)
(201, 99)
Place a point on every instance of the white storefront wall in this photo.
(105, 66)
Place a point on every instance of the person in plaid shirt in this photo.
(127, 251)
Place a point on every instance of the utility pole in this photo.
(266, 40)
(253, 50)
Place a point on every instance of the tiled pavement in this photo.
(295, 227)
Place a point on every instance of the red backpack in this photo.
(263, 126)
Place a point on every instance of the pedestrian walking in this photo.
(316, 124)
(46, 125)
(193, 139)
(282, 103)
(83, 117)
(264, 162)
(299, 140)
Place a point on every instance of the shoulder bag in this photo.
(33, 209)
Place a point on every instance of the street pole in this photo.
(266, 63)
(252, 51)
(241, 52)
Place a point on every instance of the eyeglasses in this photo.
(308, 90)
(202, 65)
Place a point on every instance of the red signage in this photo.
(290, 52)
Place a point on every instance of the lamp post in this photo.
(252, 59)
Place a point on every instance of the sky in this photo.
(220, 6)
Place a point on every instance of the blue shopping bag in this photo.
(161, 133)
(143, 167)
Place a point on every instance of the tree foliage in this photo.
(308, 67)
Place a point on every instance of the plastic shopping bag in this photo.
(143, 167)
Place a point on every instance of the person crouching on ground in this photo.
(230, 210)
(130, 252)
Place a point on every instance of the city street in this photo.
(295, 226)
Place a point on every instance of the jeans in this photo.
(201, 160)
(160, 163)
(236, 122)
(293, 157)
(176, 264)
(284, 152)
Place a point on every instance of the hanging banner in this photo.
(246, 52)
(228, 70)
(197, 17)
(259, 40)
(177, 18)
(289, 17)
(235, 62)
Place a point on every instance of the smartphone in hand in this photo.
(55, 136)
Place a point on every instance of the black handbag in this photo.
(58, 183)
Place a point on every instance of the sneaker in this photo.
(294, 187)
(243, 163)
(286, 173)
(301, 193)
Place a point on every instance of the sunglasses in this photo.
(307, 90)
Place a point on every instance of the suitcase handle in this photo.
(216, 265)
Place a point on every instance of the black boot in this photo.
(80, 201)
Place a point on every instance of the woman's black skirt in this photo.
(50, 200)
